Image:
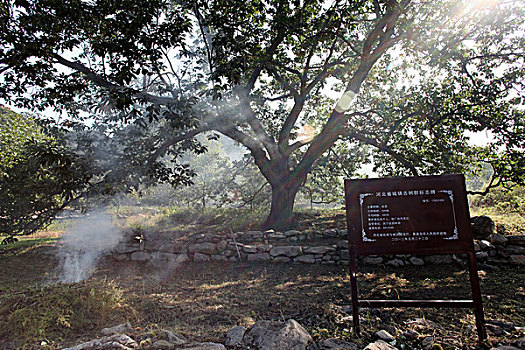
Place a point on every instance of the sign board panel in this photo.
(422, 215)
(418, 215)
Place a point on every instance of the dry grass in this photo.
(203, 301)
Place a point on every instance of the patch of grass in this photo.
(55, 312)
(203, 301)
(24, 244)
(211, 219)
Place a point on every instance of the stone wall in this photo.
(327, 247)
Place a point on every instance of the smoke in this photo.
(83, 245)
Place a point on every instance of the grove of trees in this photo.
(398, 83)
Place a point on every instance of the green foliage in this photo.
(156, 73)
(15, 131)
(54, 312)
(503, 200)
(39, 178)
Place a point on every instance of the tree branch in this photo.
(97, 79)
(386, 149)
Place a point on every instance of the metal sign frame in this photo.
(412, 215)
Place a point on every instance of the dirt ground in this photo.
(203, 300)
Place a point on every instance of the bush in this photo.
(57, 311)
(503, 200)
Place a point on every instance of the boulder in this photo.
(517, 259)
(306, 258)
(482, 226)
(330, 233)
(140, 256)
(198, 257)
(342, 244)
(284, 259)
(268, 335)
(235, 335)
(259, 257)
(416, 261)
(395, 262)
(439, 259)
(203, 248)
(517, 240)
(384, 335)
(292, 233)
(515, 249)
(317, 250)
(288, 251)
(498, 239)
(163, 345)
(173, 338)
(485, 245)
(221, 246)
(482, 255)
(265, 248)
(218, 257)
(254, 234)
(249, 249)
(124, 248)
(121, 341)
(120, 328)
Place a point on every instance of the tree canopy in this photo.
(405, 78)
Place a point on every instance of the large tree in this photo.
(257, 71)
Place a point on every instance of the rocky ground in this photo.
(251, 304)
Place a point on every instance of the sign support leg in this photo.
(476, 297)
(353, 287)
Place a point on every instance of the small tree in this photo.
(38, 176)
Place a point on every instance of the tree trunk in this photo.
(281, 216)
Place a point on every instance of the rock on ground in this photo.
(384, 335)
(380, 345)
(120, 342)
(482, 226)
(337, 344)
(268, 335)
(120, 328)
(202, 346)
(235, 335)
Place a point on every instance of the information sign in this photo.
(421, 215)
(408, 215)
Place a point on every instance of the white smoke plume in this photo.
(84, 244)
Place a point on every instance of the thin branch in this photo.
(257, 127)
(489, 186)
(205, 36)
(267, 57)
(100, 81)
(385, 149)
(284, 84)
(295, 146)
(163, 148)
(277, 98)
